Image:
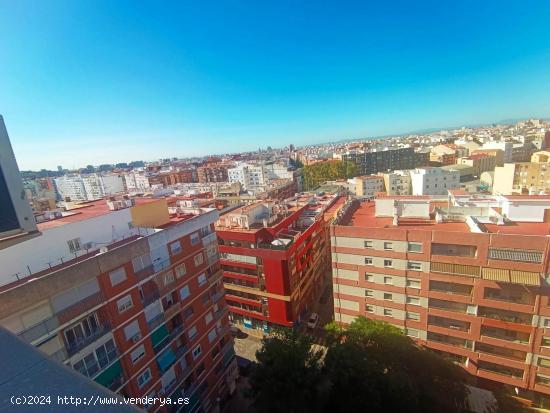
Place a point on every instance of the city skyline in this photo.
(146, 83)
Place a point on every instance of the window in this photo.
(388, 312)
(208, 318)
(412, 332)
(184, 292)
(413, 300)
(388, 280)
(543, 362)
(199, 259)
(188, 312)
(76, 334)
(368, 244)
(415, 266)
(413, 316)
(545, 342)
(388, 263)
(175, 247)
(168, 278)
(369, 308)
(388, 296)
(369, 293)
(180, 270)
(413, 283)
(202, 279)
(137, 354)
(74, 245)
(388, 245)
(212, 335)
(132, 332)
(124, 303)
(117, 276)
(144, 378)
(368, 261)
(197, 352)
(200, 369)
(414, 247)
(192, 332)
(369, 278)
(195, 238)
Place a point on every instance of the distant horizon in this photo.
(95, 82)
(422, 131)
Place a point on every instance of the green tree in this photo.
(374, 365)
(287, 376)
(320, 172)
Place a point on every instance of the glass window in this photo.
(195, 238)
(388, 280)
(388, 296)
(388, 245)
(413, 316)
(415, 266)
(415, 247)
(180, 270)
(124, 303)
(368, 244)
(388, 312)
(368, 261)
(175, 247)
(369, 308)
(199, 259)
(144, 378)
(197, 352)
(413, 300)
(369, 293)
(202, 279)
(369, 278)
(388, 263)
(413, 283)
(117, 276)
(184, 292)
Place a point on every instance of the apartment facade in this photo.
(79, 187)
(212, 173)
(480, 162)
(524, 177)
(275, 259)
(374, 161)
(367, 186)
(433, 181)
(397, 182)
(143, 314)
(456, 276)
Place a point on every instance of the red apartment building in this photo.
(465, 276)
(275, 259)
(136, 302)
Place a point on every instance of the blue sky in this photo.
(90, 82)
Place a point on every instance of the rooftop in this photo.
(462, 213)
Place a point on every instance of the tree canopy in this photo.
(370, 366)
(320, 172)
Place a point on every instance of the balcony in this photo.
(448, 306)
(501, 352)
(50, 325)
(452, 341)
(450, 288)
(503, 315)
(449, 323)
(515, 296)
(76, 346)
(501, 370)
(507, 335)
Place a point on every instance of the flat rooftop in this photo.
(364, 216)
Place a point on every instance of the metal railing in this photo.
(75, 347)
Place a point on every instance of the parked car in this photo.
(313, 320)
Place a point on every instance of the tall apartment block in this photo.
(212, 173)
(129, 293)
(465, 275)
(17, 221)
(374, 161)
(275, 259)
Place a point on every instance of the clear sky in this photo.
(90, 82)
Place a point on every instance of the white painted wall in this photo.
(525, 210)
(52, 244)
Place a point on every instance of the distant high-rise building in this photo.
(59, 168)
(16, 217)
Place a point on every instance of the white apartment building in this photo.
(87, 187)
(248, 175)
(433, 181)
(136, 180)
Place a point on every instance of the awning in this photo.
(525, 278)
(496, 274)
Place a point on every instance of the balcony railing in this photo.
(75, 347)
(48, 326)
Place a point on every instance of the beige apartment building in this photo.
(397, 182)
(524, 177)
